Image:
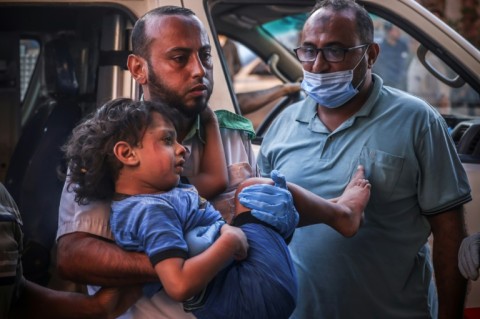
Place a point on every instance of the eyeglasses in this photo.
(330, 54)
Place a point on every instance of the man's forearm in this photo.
(35, 300)
(448, 229)
(87, 259)
(252, 101)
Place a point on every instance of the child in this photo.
(127, 151)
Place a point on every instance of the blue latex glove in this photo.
(202, 237)
(272, 204)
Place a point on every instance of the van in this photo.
(59, 60)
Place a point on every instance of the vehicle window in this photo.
(254, 74)
(247, 71)
(29, 52)
(399, 66)
(287, 30)
(250, 77)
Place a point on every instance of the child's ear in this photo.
(125, 154)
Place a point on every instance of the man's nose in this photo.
(198, 69)
(320, 65)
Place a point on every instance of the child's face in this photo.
(161, 157)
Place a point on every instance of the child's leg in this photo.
(344, 213)
(239, 208)
(357, 193)
(264, 285)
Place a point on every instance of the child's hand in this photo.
(202, 237)
(235, 237)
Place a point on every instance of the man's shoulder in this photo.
(408, 106)
(232, 121)
(410, 103)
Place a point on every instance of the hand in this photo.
(207, 116)
(468, 256)
(291, 88)
(272, 204)
(115, 301)
(202, 237)
(239, 239)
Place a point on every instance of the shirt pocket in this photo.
(382, 170)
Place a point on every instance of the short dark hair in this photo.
(93, 167)
(363, 19)
(140, 42)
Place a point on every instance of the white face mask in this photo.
(333, 89)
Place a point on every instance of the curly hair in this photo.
(93, 167)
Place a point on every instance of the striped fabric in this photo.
(10, 251)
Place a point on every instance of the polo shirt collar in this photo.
(308, 111)
(195, 130)
(367, 108)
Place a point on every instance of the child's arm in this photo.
(184, 278)
(213, 177)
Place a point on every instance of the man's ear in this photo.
(372, 54)
(125, 154)
(138, 68)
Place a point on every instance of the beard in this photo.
(159, 90)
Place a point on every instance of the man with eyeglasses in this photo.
(418, 182)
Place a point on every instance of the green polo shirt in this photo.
(384, 271)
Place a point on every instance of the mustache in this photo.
(159, 90)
